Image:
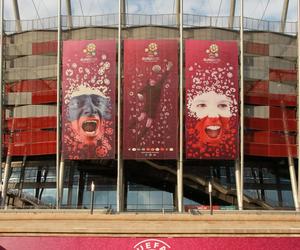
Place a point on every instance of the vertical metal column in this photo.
(180, 161)
(120, 177)
(298, 105)
(61, 181)
(284, 15)
(5, 181)
(231, 16)
(69, 13)
(178, 3)
(17, 16)
(239, 168)
(1, 88)
(58, 198)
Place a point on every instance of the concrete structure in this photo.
(35, 177)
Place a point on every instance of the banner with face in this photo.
(88, 91)
(150, 99)
(211, 99)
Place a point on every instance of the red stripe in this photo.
(270, 124)
(31, 86)
(31, 123)
(257, 48)
(267, 137)
(41, 97)
(49, 47)
(281, 75)
(271, 150)
(41, 148)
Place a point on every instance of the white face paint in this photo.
(211, 104)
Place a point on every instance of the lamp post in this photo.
(92, 196)
(210, 198)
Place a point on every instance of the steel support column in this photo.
(178, 12)
(17, 16)
(1, 87)
(298, 105)
(231, 15)
(58, 85)
(61, 181)
(123, 12)
(69, 14)
(5, 181)
(239, 168)
(284, 15)
(120, 177)
(180, 161)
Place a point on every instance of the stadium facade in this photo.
(41, 170)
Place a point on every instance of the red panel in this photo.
(44, 97)
(49, 47)
(31, 86)
(257, 48)
(271, 99)
(267, 137)
(257, 99)
(282, 75)
(41, 148)
(270, 124)
(277, 112)
(31, 123)
(272, 150)
(31, 136)
(256, 87)
(286, 100)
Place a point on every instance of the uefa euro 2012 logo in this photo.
(213, 50)
(90, 49)
(152, 49)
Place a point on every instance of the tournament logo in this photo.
(213, 54)
(151, 244)
(152, 53)
(90, 49)
(90, 53)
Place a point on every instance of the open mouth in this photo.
(213, 131)
(90, 127)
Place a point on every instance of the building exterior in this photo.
(262, 176)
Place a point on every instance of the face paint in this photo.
(213, 112)
(87, 114)
(212, 130)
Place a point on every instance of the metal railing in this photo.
(167, 20)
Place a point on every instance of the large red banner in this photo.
(150, 99)
(126, 243)
(88, 99)
(211, 99)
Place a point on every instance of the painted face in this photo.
(87, 114)
(214, 113)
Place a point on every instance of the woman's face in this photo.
(213, 112)
(86, 117)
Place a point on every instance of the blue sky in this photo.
(253, 8)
